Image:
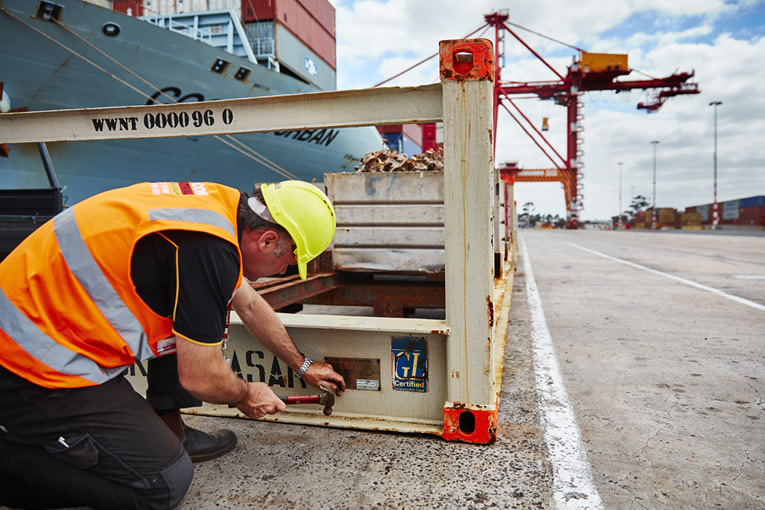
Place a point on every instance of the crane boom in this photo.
(588, 72)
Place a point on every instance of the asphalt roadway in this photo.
(660, 342)
(662, 363)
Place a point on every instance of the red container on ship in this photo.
(129, 7)
(311, 21)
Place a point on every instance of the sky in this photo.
(722, 41)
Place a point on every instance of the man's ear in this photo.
(268, 241)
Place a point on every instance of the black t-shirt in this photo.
(189, 277)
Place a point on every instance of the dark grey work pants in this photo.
(100, 446)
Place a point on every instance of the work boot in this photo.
(202, 446)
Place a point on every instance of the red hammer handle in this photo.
(308, 399)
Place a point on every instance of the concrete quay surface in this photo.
(279, 466)
(660, 341)
(666, 381)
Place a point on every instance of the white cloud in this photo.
(378, 39)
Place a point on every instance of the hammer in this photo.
(325, 398)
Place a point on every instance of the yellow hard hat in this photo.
(306, 213)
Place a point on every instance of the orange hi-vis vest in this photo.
(70, 315)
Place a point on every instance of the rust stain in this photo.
(439, 332)
(467, 59)
(491, 311)
(492, 432)
(485, 420)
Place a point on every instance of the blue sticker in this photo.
(410, 363)
(310, 66)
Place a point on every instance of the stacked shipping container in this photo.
(748, 211)
(752, 211)
(690, 219)
(299, 34)
(432, 137)
(404, 138)
(304, 36)
(413, 138)
(665, 217)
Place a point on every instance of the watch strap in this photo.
(304, 367)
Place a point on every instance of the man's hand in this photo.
(260, 401)
(319, 373)
(261, 320)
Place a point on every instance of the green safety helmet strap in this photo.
(306, 213)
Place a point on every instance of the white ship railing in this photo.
(203, 34)
(220, 29)
(264, 49)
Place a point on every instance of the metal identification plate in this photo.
(359, 373)
(410, 363)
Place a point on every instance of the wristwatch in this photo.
(306, 363)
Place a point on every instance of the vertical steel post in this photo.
(620, 194)
(48, 165)
(653, 210)
(572, 133)
(467, 77)
(715, 215)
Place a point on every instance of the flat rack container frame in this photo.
(477, 303)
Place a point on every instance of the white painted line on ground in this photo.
(720, 293)
(573, 487)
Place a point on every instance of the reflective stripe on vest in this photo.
(86, 270)
(211, 218)
(45, 349)
(89, 275)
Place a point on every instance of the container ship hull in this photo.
(43, 69)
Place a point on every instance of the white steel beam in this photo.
(469, 206)
(336, 109)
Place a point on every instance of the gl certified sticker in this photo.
(410, 363)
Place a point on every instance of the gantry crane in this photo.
(588, 72)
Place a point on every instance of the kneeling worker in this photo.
(139, 273)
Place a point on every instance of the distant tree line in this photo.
(529, 218)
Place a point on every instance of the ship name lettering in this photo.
(175, 91)
(317, 136)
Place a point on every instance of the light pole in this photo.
(715, 217)
(620, 193)
(653, 209)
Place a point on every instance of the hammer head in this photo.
(327, 399)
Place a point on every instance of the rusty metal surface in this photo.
(368, 340)
(388, 221)
(388, 298)
(463, 59)
(277, 466)
(286, 291)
